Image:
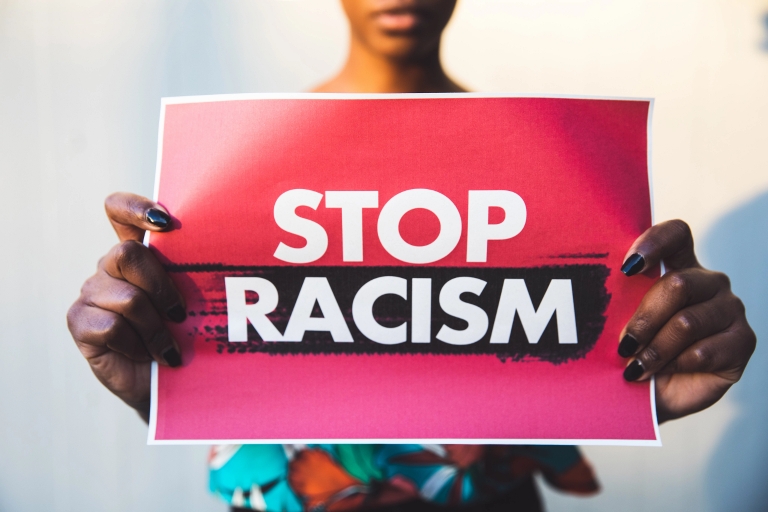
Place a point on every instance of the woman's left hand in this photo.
(689, 330)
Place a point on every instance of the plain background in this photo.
(80, 88)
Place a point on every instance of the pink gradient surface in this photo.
(581, 167)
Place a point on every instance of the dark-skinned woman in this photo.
(689, 331)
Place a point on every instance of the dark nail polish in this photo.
(634, 371)
(628, 345)
(158, 218)
(633, 265)
(172, 357)
(177, 314)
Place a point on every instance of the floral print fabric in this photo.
(297, 478)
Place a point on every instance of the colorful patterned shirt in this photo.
(335, 477)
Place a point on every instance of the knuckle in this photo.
(73, 317)
(129, 254)
(686, 325)
(677, 282)
(105, 330)
(639, 324)
(750, 340)
(702, 358)
(722, 279)
(682, 229)
(89, 286)
(738, 305)
(650, 358)
(132, 301)
(106, 326)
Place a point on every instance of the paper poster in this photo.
(399, 268)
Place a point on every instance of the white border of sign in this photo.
(338, 96)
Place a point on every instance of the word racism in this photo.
(553, 313)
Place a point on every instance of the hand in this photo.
(117, 322)
(689, 330)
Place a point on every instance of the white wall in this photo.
(80, 82)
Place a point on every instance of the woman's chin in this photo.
(404, 46)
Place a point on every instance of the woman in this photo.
(689, 330)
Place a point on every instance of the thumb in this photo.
(131, 215)
(670, 242)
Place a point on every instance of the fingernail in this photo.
(172, 357)
(158, 218)
(633, 371)
(633, 265)
(177, 314)
(628, 345)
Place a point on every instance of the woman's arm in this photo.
(690, 330)
(117, 322)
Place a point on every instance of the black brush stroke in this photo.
(590, 303)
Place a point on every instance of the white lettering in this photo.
(362, 310)
(476, 318)
(437, 203)
(239, 312)
(312, 232)
(515, 298)
(317, 289)
(421, 310)
(479, 231)
(352, 203)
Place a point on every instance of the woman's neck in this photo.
(367, 72)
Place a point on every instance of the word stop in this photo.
(351, 203)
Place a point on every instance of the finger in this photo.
(673, 292)
(96, 331)
(131, 215)
(685, 328)
(133, 262)
(670, 242)
(134, 305)
(724, 354)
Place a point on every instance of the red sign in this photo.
(439, 268)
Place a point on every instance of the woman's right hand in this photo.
(118, 320)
